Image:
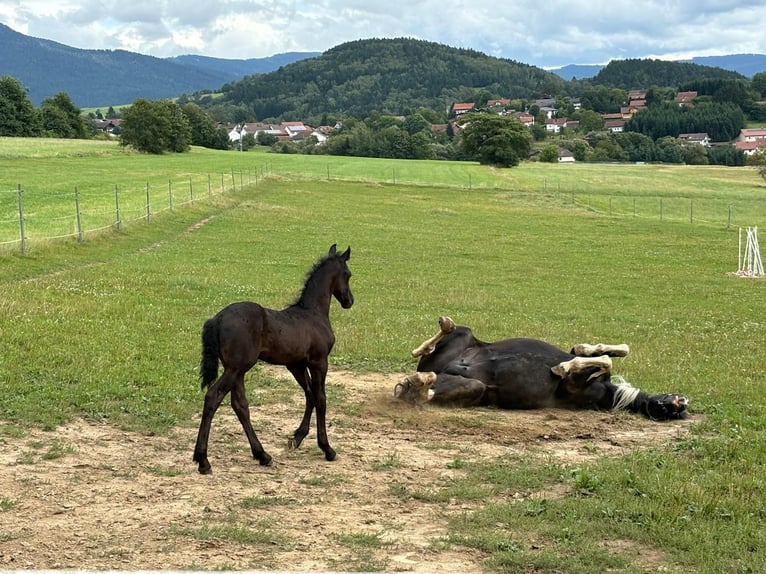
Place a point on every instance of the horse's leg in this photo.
(318, 373)
(301, 375)
(242, 409)
(587, 350)
(446, 326)
(213, 398)
(415, 388)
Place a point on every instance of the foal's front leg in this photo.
(318, 374)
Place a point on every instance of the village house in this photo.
(750, 140)
(685, 98)
(757, 135)
(615, 126)
(463, 108)
(524, 118)
(702, 138)
(555, 125)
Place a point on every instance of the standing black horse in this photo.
(299, 337)
(457, 369)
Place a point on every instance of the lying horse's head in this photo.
(666, 406)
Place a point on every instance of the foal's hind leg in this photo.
(301, 375)
(213, 398)
(242, 409)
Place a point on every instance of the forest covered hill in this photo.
(113, 77)
(389, 76)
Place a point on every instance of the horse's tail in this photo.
(211, 346)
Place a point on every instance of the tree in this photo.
(495, 140)
(758, 160)
(549, 154)
(590, 121)
(204, 131)
(155, 127)
(758, 84)
(18, 117)
(61, 118)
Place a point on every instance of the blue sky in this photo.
(546, 34)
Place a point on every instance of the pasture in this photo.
(100, 397)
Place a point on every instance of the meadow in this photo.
(107, 329)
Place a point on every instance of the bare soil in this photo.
(89, 496)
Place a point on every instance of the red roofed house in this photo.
(685, 98)
(463, 107)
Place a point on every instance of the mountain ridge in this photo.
(112, 77)
(95, 78)
(746, 64)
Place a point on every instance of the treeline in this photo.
(635, 74)
(640, 148)
(56, 116)
(721, 121)
(391, 76)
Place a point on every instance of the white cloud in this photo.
(551, 33)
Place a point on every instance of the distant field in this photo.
(108, 330)
(57, 175)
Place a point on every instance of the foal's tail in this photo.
(208, 365)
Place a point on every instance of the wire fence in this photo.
(28, 217)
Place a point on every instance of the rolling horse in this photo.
(457, 369)
(299, 337)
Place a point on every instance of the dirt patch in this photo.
(88, 496)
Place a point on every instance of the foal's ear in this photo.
(346, 255)
(332, 249)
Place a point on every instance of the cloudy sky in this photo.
(551, 33)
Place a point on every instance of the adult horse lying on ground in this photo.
(457, 369)
(299, 337)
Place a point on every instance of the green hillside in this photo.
(390, 76)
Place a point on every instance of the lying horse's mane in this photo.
(624, 394)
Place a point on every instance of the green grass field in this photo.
(109, 328)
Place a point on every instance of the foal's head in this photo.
(341, 288)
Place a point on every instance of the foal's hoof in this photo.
(264, 459)
(329, 455)
(204, 465)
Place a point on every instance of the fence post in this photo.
(222, 187)
(170, 195)
(241, 181)
(118, 221)
(728, 222)
(77, 214)
(147, 201)
(21, 224)
(691, 211)
(634, 208)
(233, 181)
(660, 209)
(209, 186)
(191, 190)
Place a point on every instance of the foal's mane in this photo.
(311, 276)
